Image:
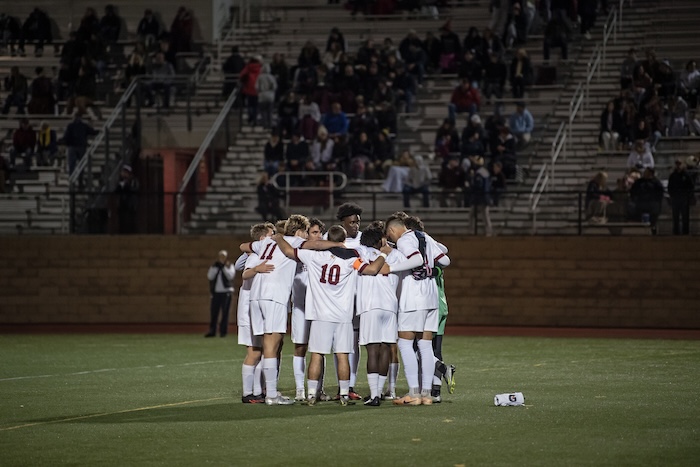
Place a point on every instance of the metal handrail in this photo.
(200, 153)
(86, 159)
(557, 148)
(330, 188)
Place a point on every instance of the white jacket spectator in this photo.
(640, 157)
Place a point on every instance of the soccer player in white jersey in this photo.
(377, 305)
(301, 325)
(269, 298)
(349, 216)
(252, 364)
(329, 304)
(418, 309)
(442, 370)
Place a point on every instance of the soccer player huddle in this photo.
(380, 288)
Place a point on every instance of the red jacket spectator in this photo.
(464, 96)
(24, 138)
(249, 76)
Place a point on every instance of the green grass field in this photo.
(175, 399)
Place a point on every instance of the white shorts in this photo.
(268, 317)
(419, 320)
(326, 338)
(247, 338)
(300, 327)
(377, 326)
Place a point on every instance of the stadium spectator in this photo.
(274, 154)
(288, 115)
(557, 34)
(46, 145)
(522, 125)
(136, 64)
(161, 83)
(451, 180)
(417, 181)
(17, 88)
(383, 155)
(431, 45)
(473, 40)
(362, 155)
(110, 26)
(490, 44)
(322, 149)
(640, 157)
(611, 127)
(681, 190)
(503, 151)
(249, 76)
(404, 87)
(627, 69)
(10, 33)
(309, 57)
(495, 75)
(518, 26)
(450, 49)
(84, 91)
(471, 68)
(415, 60)
(677, 113)
(521, 73)
(232, 68)
(269, 200)
(297, 154)
(689, 83)
(89, 25)
(336, 37)
(647, 193)
(181, 31)
(478, 195)
(499, 16)
(464, 99)
(597, 198)
(127, 192)
(220, 275)
(36, 29)
(148, 30)
(336, 122)
(363, 120)
(266, 87)
(587, 13)
(446, 139)
(23, 143)
(280, 71)
(498, 182)
(75, 137)
(4, 174)
(42, 98)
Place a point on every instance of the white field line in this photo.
(104, 370)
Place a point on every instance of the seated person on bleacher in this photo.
(36, 29)
(10, 33)
(148, 29)
(522, 125)
(464, 98)
(451, 180)
(23, 142)
(17, 87)
(640, 157)
(417, 181)
(597, 197)
(646, 194)
(503, 151)
(336, 122)
(495, 75)
(110, 26)
(43, 99)
(46, 145)
(161, 81)
(297, 155)
(611, 127)
(322, 150)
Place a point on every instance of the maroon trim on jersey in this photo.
(437, 258)
(362, 268)
(250, 247)
(296, 256)
(412, 254)
(302, 244)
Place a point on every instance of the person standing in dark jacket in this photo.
(75, 137)
(681, 190)
(647, 193)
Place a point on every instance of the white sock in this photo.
(410, 363)
(257, 378)
(344, 387)
(248, 375)
(373, 380)
(299, 365)
(312, 386)
(354, 358)
(270, 370)
(393, 375)
(427, 359)
(381, 380)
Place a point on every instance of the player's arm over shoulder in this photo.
(370, 269)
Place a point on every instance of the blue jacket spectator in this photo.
(336, 122)
(522, 124)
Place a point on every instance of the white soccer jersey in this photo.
(301, 279)
(378, 292)
(277, 284)
(416, 295)
(243, 309)
(332, 282)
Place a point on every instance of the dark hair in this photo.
(414, 223)
(348, 209)
(372, 236)
(315, 221)
(337, 233)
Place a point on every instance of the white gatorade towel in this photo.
(511, 398)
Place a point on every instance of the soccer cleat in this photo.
(450, 378)
(389, 395)
(300, 397)
(279, 400)
(353, 395)
(426, 400)
(323, 397)
(408, 400)
(252, 399)
(373, 402)
(437, 399)
(345, 401)
(311, 401)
